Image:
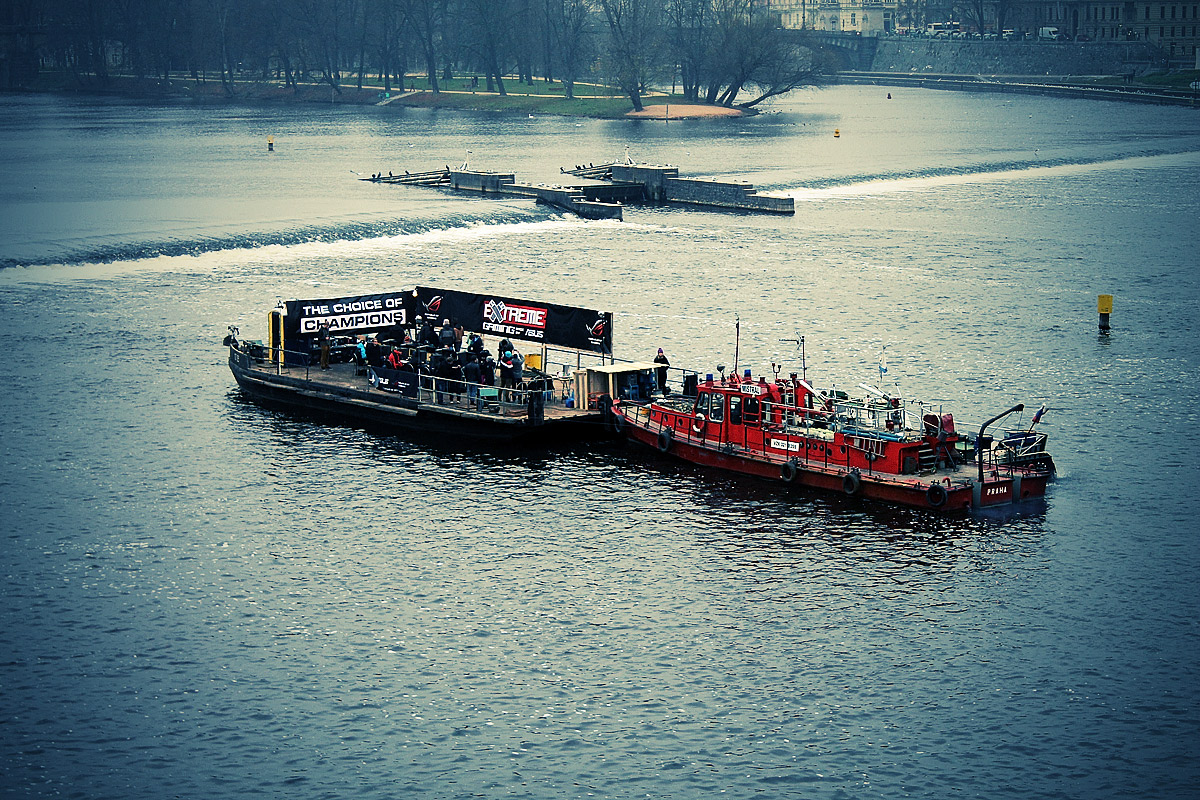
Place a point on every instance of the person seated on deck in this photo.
(374, 352)
(395, 359)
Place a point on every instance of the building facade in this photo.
(1173, 27)
(862, 17)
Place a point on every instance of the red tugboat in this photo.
(880, 446)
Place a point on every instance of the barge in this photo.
(421, 386)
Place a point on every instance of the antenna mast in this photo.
(799, 342)
(737, 342)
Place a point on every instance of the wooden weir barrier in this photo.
(613, 185)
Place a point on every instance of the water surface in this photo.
(206, 598)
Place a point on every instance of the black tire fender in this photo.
(937, 495)
(788, 470)
(665, 439)
(851, 482)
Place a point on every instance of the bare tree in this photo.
(635, 34)
(759, 53)
(691, 26)
(426, 18)
(489, 31)
(570, 38)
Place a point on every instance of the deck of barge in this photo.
(345, 390)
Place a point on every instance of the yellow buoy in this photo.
(836, 133)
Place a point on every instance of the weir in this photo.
(614, 186)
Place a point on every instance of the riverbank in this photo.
(546, 98)
(1100, 87)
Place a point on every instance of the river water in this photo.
(203, 598)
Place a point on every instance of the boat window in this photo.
(717, 412)
(750, 412)
(735, 410)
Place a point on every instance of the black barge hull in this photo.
(326, 398)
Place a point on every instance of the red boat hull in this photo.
(956, 489)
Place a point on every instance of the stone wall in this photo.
(970, 57)
(725, 194)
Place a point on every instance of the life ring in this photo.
(664, 440)
(788, 471)
(936, 495)
(698, 423)
(851, 482)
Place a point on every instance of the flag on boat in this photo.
(882, 364)
(1038, 416)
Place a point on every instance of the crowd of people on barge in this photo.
(458, 362)
(450, 361)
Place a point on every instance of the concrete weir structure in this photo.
(663, 185)
(610, 188)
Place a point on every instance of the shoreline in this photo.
(1064, 86)
(209, 92)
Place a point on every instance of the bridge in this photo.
(855, 52)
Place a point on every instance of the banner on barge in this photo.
(489, 314)
(511, 318)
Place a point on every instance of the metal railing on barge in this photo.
(529, 397)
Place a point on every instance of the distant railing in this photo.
(252, 353)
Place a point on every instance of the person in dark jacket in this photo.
(324, 340)
(487, 369)
(428, 336)
(374, 352)
(443, 370)
(473, 375)
(662, 371)
(446, 335)
(456, 377)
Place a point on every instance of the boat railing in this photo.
(253, 354)
(528, 397)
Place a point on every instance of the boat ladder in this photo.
(928, 459)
